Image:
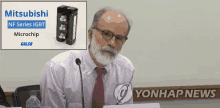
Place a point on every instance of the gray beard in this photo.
(101, 58)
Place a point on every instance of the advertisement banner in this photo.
(44, 25)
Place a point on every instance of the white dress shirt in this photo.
(60, 83)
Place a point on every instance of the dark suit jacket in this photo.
(3, 100)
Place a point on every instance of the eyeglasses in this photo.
(108, 35)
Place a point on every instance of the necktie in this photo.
(98, 92)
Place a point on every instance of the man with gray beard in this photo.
(103, 68)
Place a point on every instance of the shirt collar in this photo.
(90, 64)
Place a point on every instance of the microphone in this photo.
(78, 62)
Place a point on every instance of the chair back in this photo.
(22, 94)
(14, 95)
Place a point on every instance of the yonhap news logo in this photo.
(181, 94)
(123, 93)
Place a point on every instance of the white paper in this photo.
(145, 105)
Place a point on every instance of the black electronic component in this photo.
(66, 24)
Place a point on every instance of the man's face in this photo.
(104, 50)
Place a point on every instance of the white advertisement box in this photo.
(33, 25)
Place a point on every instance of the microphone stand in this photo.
(78, 62)
(82, 87)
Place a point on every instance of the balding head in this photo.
(109, 15)
(114, 22)
(113, 16)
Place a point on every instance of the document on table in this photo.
(144, 105)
